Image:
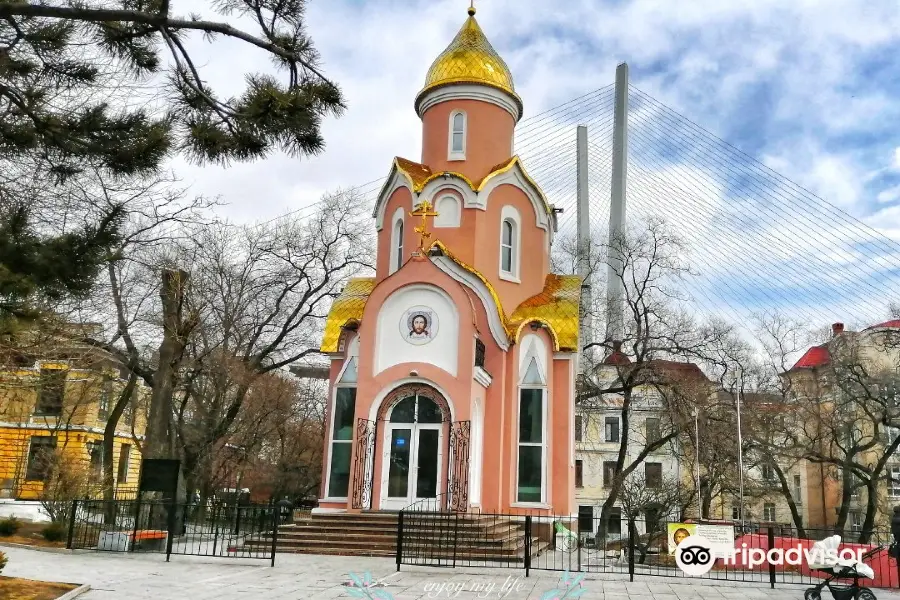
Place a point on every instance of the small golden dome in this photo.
(470, 58)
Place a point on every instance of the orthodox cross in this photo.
(424, 210)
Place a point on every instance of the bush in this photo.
(55, 532)
(9, 526)
(3, 561)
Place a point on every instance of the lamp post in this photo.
(696, 414)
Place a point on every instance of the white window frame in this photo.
(511, 215)
(439, 221)
(618, 420)
(535, 350)
(457, 154)
(331, 440)
(767, 514)
(542, 444)
(797, 483)
(398, 228)
(893, 484)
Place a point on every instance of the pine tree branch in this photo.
(159, 21)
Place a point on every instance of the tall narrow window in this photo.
(653, 475)
(612, 429)
(51, 392)
(95, 452)
(579, 473)
(40, 457)
(398, 245)
(531, 445)
(798, 490)
(105, 394)
(341, 442)
(124, 458)
(609, 473)
(507, 239)
(652, 425)
(458, 136)
(579, 428)
(894, 482)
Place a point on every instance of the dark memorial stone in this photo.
(160, 475)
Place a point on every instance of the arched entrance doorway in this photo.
(413, 459)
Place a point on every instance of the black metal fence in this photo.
(213, 530)
(430, 535)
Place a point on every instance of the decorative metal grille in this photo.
(458, 481)
(364, 464)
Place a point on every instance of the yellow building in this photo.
(52, 418)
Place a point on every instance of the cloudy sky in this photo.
(809, 87)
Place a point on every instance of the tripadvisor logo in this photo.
(694, 555)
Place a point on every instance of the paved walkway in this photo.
(304, 577)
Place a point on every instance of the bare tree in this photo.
(649, 363)
(653, 500)
(836, 413)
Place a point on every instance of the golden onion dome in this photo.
(470, 58)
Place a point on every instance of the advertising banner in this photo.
(721, 537)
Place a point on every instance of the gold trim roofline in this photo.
(417, 184)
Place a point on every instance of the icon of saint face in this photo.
(680, 535)
(419, 324)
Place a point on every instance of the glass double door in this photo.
(412, 464)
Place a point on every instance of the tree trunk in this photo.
(109, 439)
(871, 508)
(792, 505)
(844, 510)
(160, 442)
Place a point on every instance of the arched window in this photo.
(506, 246)
(397, 246)
(447, 208)
(510, 244)
(457, 135)
(531, 479)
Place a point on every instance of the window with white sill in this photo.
(457, 137)
(531, 478)
(397, 246)
(510, 243)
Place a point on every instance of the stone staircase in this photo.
(426, 536)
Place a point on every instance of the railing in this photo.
(218, 530)
(429, 534)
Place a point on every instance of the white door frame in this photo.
(415, 428)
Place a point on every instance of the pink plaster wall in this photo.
(401, 198)
(489, 140)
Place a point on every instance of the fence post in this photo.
(527, 545)
(771, 537)
(276, 517)
(137, 516)
(72, 524)
(399, 539)
(578, 530)
(170, 525)
(630, 552)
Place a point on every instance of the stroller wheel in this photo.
(865, 594)
(812, 594)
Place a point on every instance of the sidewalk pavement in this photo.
(315, 577)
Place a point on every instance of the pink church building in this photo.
(452, 378)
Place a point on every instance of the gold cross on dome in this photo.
(424, 210)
